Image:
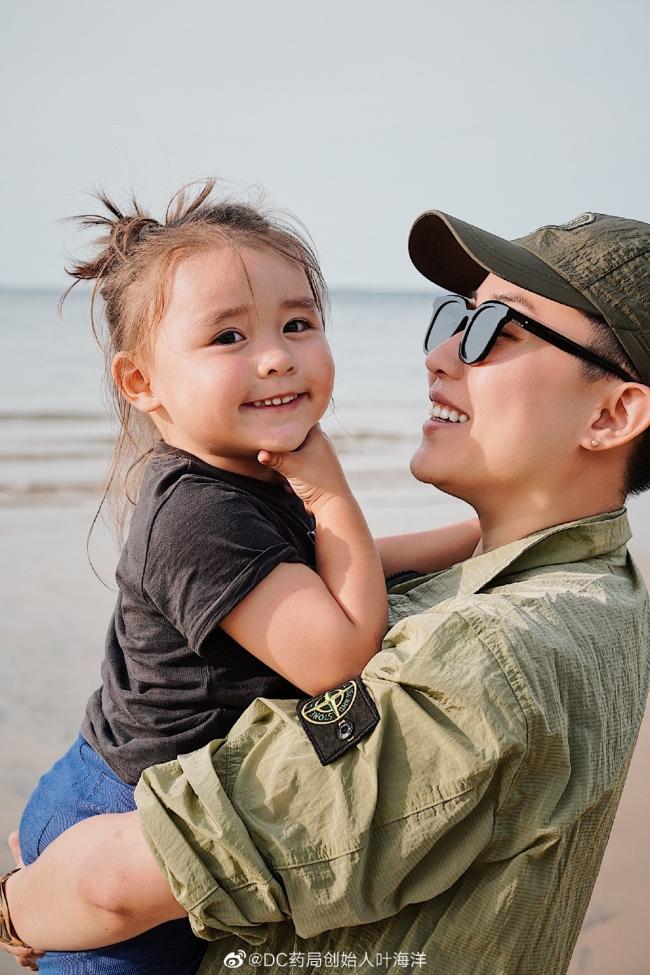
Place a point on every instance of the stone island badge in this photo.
(336, 720)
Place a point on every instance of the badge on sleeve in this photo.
(336, 720)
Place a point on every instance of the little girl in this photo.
(249, 569)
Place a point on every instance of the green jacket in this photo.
(464, 833)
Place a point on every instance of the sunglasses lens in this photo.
(445, 320)
(483, 325)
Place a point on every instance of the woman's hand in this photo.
(313, 470)
(25, 957)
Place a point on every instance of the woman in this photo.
(464, 818)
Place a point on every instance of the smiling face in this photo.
(527, 407)
(239, 361)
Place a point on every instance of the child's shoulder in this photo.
(187, 511)
(181, 489)
(172, 471)
(176, 483)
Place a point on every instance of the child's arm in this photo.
(430, 551)
(319, 628)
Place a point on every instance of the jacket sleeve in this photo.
(252, 829)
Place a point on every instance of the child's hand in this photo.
(313, 470)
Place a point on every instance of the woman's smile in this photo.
(443, 414)
(441, 410)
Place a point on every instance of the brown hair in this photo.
(132, 270)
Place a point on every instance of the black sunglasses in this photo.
(482, 325)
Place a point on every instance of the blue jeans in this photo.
(80, 785)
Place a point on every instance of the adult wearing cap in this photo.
(450, 808)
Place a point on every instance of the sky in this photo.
(356, 115)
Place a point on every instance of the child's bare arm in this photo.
(430, 551)
(318, 628)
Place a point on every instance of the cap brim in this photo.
(457, 256)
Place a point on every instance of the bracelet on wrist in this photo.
(8, 934)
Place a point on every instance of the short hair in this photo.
(636, 478)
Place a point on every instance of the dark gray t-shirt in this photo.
(200, 539)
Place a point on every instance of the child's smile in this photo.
(281, 400)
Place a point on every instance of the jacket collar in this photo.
(574, 541)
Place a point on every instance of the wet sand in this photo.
(54, 614)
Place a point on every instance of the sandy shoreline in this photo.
(55, 614)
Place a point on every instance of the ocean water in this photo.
(53, 365)
(56, 434)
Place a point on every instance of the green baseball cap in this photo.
(595, 262)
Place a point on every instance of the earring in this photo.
(595, 443)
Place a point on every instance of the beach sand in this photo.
(55, 612)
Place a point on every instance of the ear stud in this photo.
(595, 443)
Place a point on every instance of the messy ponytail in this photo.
(132, 269)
